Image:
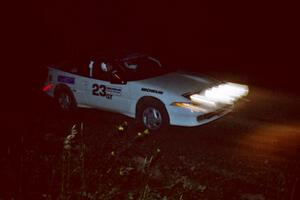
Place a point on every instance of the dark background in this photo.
(255, 41)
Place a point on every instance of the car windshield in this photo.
(142, 67)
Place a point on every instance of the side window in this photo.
(79, 67)
(102, 70)
(68, 66)
(145, 66)
(141, 67)
(83, 68)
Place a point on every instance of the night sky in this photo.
(255, 40)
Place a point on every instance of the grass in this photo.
(92, 161)
(121, 165)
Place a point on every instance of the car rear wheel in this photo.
(153, 115)
(65, 100)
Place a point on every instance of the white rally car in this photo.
(138, 86)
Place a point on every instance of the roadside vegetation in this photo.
(123, 166)
(114, 160)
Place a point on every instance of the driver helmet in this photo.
(104, 67)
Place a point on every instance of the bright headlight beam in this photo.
(202, 100)
(218, 95)
(235, 90)
(224, 93)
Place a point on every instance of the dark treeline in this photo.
(252, 39)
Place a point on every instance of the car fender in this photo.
(147, 98)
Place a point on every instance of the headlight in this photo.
(202, 100)
(226, 93)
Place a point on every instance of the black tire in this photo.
(160, 118)
(65, 100)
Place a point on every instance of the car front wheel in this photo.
(153, 115)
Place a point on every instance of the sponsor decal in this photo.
(66, 79)
(105, 91)
(114, 91)
(152, 90)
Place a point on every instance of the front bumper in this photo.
(186, 117)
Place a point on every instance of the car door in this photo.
(80, 69)
(119, 97)
(104, 93)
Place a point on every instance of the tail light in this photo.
(47, 87)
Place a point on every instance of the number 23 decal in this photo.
(99, 90)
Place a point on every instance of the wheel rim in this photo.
(152, 118)
(64, 101)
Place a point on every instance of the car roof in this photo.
(117, 55)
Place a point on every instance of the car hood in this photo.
(180, 82)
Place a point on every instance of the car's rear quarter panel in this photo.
(72, 81)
